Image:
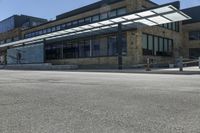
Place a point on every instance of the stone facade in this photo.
(186, 43)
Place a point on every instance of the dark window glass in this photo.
(194, 35)
(161, 44)
(103, 46)
(44, 31)
(112, 45)
(174, 26)
(81, 21)
(144, 41)
(88, 20)
(194, 53)
(96, 47)
(54, 51)
(69, 24)
(95, 18)
(58, 28)
(48, 30)
(40, 32)
(165, 45)
(53, 29)
(150, 42)
(36, 33)
(70, 49)
(63, 26)
(84, 48)
(113, 13)
(75, 23)
(177, 27)
(104, 16)
(170, 26)
(121, 11)
(170, 46)
(156, 46)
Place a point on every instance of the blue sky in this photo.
(50, 8)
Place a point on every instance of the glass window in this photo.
(81, 21)
(170, 26)
(88, 20)
(87, 48)
(112, 45)
(194, 35)
(2, 42)
(16, 38)
(63, 26)
(165, 25)
(36, 33)
(156, 45)
(70, 49)
(54, 50)
(96, 47)
(95, 18)
(121, 11)
(40, 32)
(103, 46)
(170, 46)
(113, 13)
(165, 45)
(104, 16)
(8, 40)
(150, 42)
(32, 34)
(160, 44)
(75, 23)
(48, 30)
(84, 48)
(177, 26)
(44, 31)
(174, 26)
(53, 29)
(58, 27)
(144, 41)
(69, 24)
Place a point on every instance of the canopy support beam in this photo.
(119, 46)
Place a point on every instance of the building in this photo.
(19, 21)
(11, 28)
(131, 43)
(191, 33)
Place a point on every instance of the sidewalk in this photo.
(186, 71)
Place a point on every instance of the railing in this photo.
(181, 63)
(190, 62)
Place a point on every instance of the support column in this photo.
(44, 52)
(119, 46)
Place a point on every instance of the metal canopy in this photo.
(156, 16)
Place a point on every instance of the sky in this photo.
(50, 8)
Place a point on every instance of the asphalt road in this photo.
(89, 102)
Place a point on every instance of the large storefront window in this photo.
(112, 45)
(155, 45)
(96, 47)
(54, 51)
(84, 48)
(70, 49)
